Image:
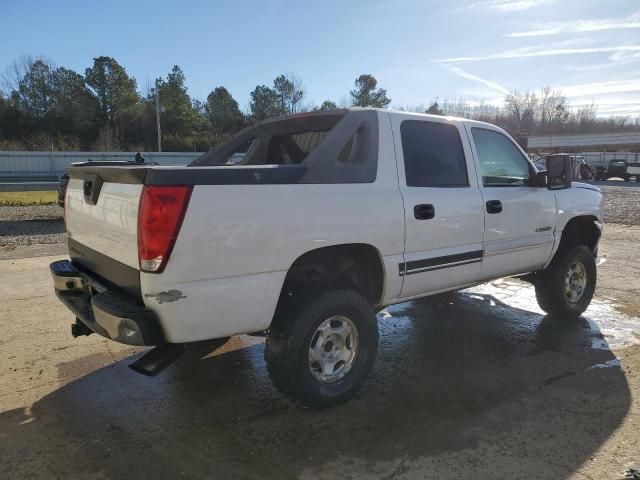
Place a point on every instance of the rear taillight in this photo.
(162, 209)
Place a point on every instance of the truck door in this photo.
(519, 219)
(444, 220)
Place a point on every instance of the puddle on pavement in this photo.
(610, 329)
(613, 363)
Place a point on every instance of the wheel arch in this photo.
(355, 265)
(582, 230)
(579, 230)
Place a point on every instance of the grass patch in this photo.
(49, 197)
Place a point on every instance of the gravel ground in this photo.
(29, 225)
(43, 224)
(621, 204)
(31, 212)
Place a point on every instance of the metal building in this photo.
(49, 165)
(596, 148)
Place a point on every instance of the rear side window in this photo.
(238, 154)
(433, 155)
(280, 141)
(501, 162)
(293, 148)
(333, 147)
(349, 154)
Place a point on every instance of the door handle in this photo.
(494, 206)
(424, 211)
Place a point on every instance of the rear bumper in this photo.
(104, 309)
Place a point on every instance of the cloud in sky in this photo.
(510, 5)
(461, 73)
(629, 109)
(529, 52)
(599, 92)
(611, 104)
(581, 26)
(625, 57)
(599, 88)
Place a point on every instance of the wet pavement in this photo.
(477, 384)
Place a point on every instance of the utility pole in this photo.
(158, 119)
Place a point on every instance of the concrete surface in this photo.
(474, 385)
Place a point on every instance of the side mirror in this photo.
(559, 172)
(539, 179)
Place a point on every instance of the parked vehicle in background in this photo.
(581, 169)
(633, 170)
(324, 219)
(601, 173)
(540, 164)
(587, 172)
(619, 168)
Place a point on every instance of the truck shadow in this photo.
(464, 385)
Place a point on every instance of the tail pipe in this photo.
(157, 359)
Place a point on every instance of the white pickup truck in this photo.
(304, 226)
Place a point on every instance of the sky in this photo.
(419, 50)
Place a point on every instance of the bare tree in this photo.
(521, 107)
(298, 93)
(553, 109)
(289, 92)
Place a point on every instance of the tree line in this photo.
(542, 112)
(43, 107)
(49, 107)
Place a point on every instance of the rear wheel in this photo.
(320, 350)
(565, 288)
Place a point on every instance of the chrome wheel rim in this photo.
(333, 349)
(575, 282)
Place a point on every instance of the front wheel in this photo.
(320, 350)
(565, 288)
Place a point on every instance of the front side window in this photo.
(433, 155)
(501, 162)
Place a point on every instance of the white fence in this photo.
(49, 165)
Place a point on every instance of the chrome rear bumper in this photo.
(103, 308)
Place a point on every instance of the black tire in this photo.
(627, 178)
(550, 283)
(637, 178)
(290, 337)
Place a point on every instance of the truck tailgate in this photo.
(110, 225)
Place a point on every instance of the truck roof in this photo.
(375, 109)
(393, 111)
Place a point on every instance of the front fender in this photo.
(581, 200)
